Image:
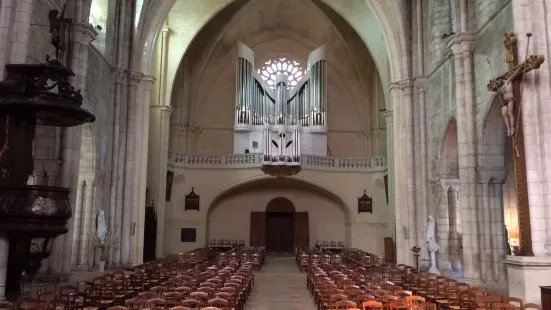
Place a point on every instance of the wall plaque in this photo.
(188, 235)
(192, 201)
(365, 204)
(169, 179)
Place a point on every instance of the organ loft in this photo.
(281, 109)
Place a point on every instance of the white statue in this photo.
(101, 228)
(432, 246)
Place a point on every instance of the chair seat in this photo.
(441, 301)
(455, 307)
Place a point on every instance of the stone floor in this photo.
(280, 285)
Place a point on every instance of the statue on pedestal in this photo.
(432, 246)
(101, 228)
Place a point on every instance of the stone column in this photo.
(421, 83)
(160, 147)
(88, 226)
(129, 171)
(443, 227)
(388, 115)
(15, 21)
(467, 154)
(139, 213)
(413, 225)
(486, 256)
(77, 222)
(497, 226)
(403, 255)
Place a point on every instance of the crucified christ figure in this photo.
(505, 88)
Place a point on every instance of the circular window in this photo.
(271, 68)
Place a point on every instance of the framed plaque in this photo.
(188, 235)
(192, 201)
(365, 204)
(169, 179)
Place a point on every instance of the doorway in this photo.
(280, 232)
(280, 229)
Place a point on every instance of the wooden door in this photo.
(302, 230)
(280, 236)
(258, 229)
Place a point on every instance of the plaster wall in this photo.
(230, 218)
(209, 184)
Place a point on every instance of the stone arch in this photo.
(449, 156)
(494, 139)
(278, 187)
(379, 25)
(280, 204)
(296, 179)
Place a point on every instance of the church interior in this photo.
(275, 154)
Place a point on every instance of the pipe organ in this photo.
(281, 111)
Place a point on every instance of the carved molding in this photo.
(393, 86)
(447, 183)
(88, 32)
(461, 43)
(148, 81)
(135, 77)
(388, 115)
(484, 175)
(406, 85)
(120, 75)
(421, 83)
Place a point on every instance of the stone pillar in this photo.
(15, 21)
(129, 171)
(88, 226)
(467, 153)
(486, 256)
(139, 213)
(4, 250)
(388, 115)
(421, 84)
(77, 222)
(443, 228)
(160, 147)
(403, 255)
(413, 225)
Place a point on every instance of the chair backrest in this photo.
(531, 306)
(372, 304)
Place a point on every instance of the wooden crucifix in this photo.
(509, 89)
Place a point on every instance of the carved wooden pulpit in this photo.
(530, 63)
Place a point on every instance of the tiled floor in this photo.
(279, 285)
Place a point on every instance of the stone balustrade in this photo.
(314, 162)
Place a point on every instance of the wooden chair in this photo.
(344, 304)
(502, 306)
(424, 306)
(135, 304)
(372, 305)
(514, 301)
(180, 308)
(412, 300)
(117, 308)
(531, 306)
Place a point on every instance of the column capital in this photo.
(461, 43)
(148, 81)
(135, 77)
(165, 29)
(421, 83)
(493, 175)
(120, 75)
(406, 85)
(449, 182)
(388, 114)
(393, 86)
(164, 108)
(83, 33)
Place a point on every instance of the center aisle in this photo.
(280, 285)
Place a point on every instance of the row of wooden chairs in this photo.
(223, 284)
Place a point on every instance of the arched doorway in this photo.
(280, 226)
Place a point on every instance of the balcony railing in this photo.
(314, 162)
